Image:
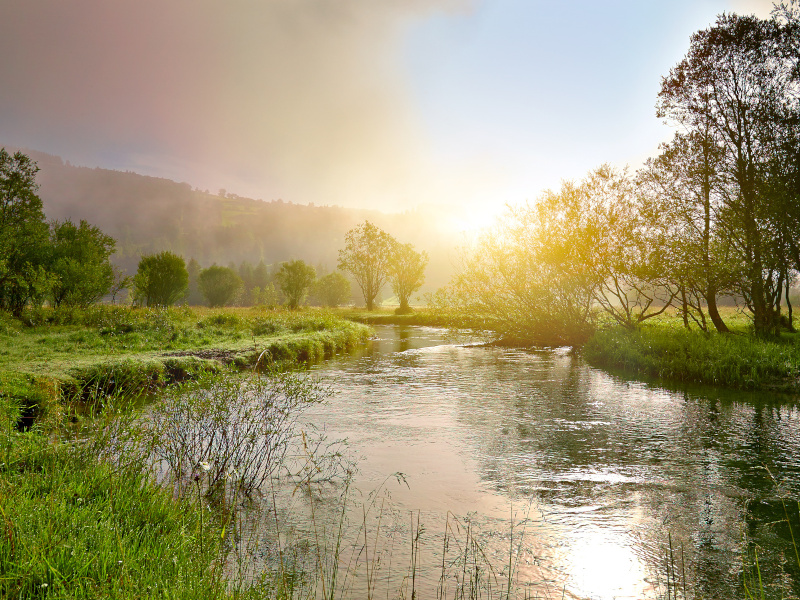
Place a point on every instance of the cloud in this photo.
(303, 99)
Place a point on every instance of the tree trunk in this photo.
(684, 307)
(713, 312)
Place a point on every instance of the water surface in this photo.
(586, 478)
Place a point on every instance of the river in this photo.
(581, 483)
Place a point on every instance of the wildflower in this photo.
(44, 585)
(205, 465)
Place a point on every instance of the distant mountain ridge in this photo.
(150, 214)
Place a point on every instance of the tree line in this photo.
(716, 214)
(59, 262)
(372, 256)
(65, 264)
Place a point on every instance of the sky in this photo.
(386, 104)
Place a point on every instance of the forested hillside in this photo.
(149, 214)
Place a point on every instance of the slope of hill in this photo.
(148, 214)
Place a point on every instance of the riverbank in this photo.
(81, 518)
(665, 350)
(50, 356)
(661, 348)
(421, 317)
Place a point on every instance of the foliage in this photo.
(295, 278)
(367, 257)
(681, 186)
(23, 235)
(219, 285)
(407, 273)
(160, 280)
(194, 297)
(622, 245)
(332, 290)
(738, 88)
(80, 263)
(527, 275)
(242, 429)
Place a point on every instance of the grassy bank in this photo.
(82, 514)
(666, 350)
(53, 354)
(423, 317)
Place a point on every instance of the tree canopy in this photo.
(367, 257)
(406, 273)
(160, 280)
(80, 263)
(332, 290)
(219, 285)
(295, 278)
(23, 234)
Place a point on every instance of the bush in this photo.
(219, 285)
(160, 280)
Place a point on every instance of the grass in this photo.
(79, 528)
(666, 350)
(425, 317)
(48, 355)
(83, 511)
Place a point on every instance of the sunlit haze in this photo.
(388, 105)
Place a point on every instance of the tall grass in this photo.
(676, 354)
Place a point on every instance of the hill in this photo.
(149, 214)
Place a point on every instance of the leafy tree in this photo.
(80, 262)
(683, 186)
(219, 285)
(160, 280)
(295, 278)
(24, 246)
(738, 85)
(261, 276)
(407, 273)
(367, 256)
(333, 289)
(527, 274)
(624, 246)
(194, 297)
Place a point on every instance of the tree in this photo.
(219, 285)
(682, 185)
(121, 282)
(527, 275)
(295, 278)
(333, 289)
(194, 297)
(623, 247)
(160, 280)
(407, 273)
(367, 256)
(738, 85)
(80, 261)
(24, 245)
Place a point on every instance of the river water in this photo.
(582, 483)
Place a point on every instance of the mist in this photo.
(305, 101)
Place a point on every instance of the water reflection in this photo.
(625, 483)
